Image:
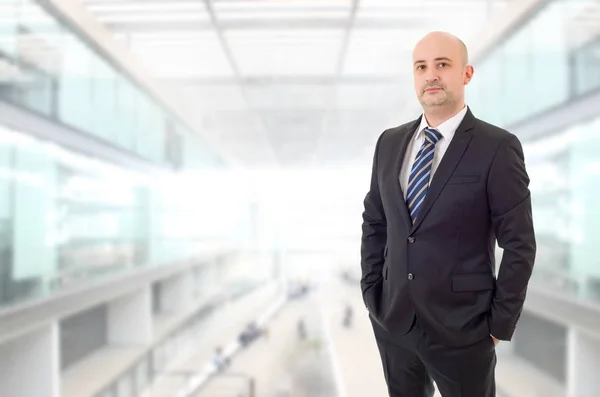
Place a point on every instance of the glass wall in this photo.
(67, 219)
(549, 60)
(565, 184)
(46, 67)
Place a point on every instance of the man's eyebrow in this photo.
(436, 59)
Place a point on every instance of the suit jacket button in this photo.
(411, 239)
(410, 276)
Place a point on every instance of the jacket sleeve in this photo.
(510, 206)
(374, 231)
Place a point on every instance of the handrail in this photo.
(22, 317)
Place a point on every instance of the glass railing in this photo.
(46, 67)
(66, 219)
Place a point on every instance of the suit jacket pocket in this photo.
(460, 179)
(372, 297)
(384, 272)
(473, 282)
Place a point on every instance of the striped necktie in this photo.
(418, 181)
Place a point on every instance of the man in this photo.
(443, 189)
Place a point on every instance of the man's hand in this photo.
(496, 341)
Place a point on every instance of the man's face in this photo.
(440, 73)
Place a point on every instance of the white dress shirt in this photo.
(446, 129)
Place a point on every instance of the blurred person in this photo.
(348, 316)
(444, 188)
(250, 333)
(301, 329)
(220, 361)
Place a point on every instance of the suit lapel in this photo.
(400, 149)
(453, 154)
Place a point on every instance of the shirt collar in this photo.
(447, 128)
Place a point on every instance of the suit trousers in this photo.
(413, 361)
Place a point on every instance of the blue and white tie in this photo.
(418, 181)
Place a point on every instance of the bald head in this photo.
(446, 40)
(441, 71)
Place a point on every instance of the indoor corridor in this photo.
(192, 190)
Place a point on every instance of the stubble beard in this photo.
(441, 101)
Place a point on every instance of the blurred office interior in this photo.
(181, 186)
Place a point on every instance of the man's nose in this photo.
(431, 77)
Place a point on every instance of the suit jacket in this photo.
(442, 268)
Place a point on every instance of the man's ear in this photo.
(468, 74)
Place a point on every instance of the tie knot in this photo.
(432, 135)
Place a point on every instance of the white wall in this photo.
(29, 365)
(130, 319)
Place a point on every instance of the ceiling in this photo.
(289, 83)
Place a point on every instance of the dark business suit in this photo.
(430, 287)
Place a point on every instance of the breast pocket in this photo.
(461, 179)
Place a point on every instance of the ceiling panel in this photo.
(290, 96)
(131, 7)
(282, 15)
(181, 54)
(148, 11)
(208, 97)
(380, 52)
(432, 5)
(281, 53)
(279, 5)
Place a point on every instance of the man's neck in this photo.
(435, 117)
